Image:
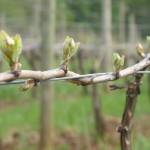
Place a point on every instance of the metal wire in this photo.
(79, 76)
(13, 82)
(68, 78)
(144, 72)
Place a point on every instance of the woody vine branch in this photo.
(11, 49)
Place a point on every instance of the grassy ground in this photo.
(72, 115)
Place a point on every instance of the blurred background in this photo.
(59, 114)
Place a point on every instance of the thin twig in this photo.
(143, 72)
(116, 86)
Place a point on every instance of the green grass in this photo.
(19, 117)
(12, 93)
(141, 142)
(71, 108)
(74, 113)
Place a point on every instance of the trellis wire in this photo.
(68, 78)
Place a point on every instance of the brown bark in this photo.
(125, 128)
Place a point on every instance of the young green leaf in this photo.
(17, 48)
(74, 49)
(118, 62)
(27, 85)
(11, 48)
(3, 41)
(140, 50)
(69, 48)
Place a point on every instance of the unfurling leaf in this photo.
(118, 62)
(3, 41)
(140, 50)
(11, 48)
(69, 48)
(27, 85)
(17, 48)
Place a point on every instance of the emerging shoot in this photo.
(140, 50)
(11, 48)
(69, 49)
(118, 62)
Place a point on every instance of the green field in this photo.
(72, 112)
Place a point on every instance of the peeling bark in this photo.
(125, 127)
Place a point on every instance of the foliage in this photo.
(140, 50)
(118, 62)
(27, 85)
(27, 114)
(11, 48)
(69, 48)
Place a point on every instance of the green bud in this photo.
(11, 48)
(10, 41)
(140, 50)
(17, 48)
(69, 48)
(27, 85)
(118, 62)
